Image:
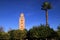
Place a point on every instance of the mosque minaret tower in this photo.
(21, 22)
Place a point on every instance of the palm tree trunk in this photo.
(46, 17)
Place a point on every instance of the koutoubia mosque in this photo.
(21, 22)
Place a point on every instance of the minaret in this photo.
(21, 22)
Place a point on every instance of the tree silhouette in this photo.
(45, 7)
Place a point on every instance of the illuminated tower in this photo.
(21, 22)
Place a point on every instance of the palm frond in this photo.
(46, 5)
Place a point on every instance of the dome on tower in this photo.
(22, 14)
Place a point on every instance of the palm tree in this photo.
(45, 7)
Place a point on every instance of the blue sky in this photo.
(10, 12)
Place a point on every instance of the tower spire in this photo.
(21, 22)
